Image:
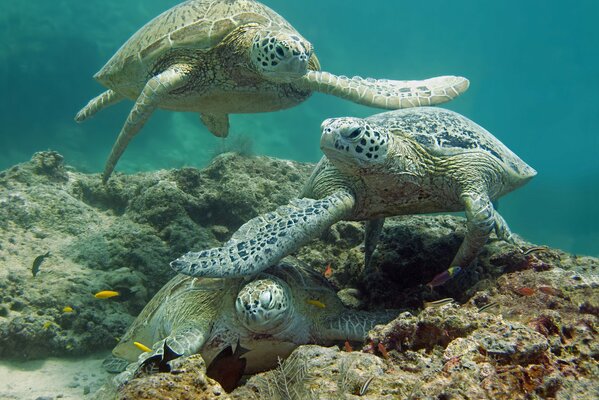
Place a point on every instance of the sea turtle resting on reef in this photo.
(419, 160)
(218, 57)
(280, 309)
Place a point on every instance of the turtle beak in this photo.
(327, 136)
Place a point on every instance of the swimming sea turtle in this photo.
(419, 160)
(269, 316)
(218, 57)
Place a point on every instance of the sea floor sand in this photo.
(52, 378)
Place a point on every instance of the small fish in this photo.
(228, 367)
(525, 291)
(438, 303)
(550, 291)
(535, 249)
(316, 303)
(443, 277)
(47, 324)
(159, 362)
(347, 347)
(328, 272)
(142, 347)
(383, 351)
(106, 294)
(488, 306)
(364, 387)
(68, 309)
(35, 268)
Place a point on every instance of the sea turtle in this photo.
(218, 57)
(418, 160)
(280, 309)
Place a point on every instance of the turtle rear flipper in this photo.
(386, 93)
(354, 325)
(502, 230)
(97, 104)
(480, 221)
(266, 239)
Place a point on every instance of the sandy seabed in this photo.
(52, 378)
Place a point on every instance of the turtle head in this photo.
(354, 141)
(280, 56)
(264, 305)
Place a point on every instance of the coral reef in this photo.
(523, 323)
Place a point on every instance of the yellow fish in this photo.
(316, 303)
(68, 309)
(106, 294)
(47, 324)
(142, 347)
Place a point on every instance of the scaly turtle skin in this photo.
(420, 160)
(269, 316)
(218, 57)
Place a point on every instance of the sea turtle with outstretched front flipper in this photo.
(269, 316)
(217, 57)
(418, 160)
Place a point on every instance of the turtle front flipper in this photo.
(385, 93)
(354, 325)
(97, 104)
(151, 96)
(266, 239)
(480, 221)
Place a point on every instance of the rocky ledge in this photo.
(523, 323)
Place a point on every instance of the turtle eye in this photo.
(280, 51)
(265, 299)
(353, 134)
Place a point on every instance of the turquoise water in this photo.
(533, 67)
